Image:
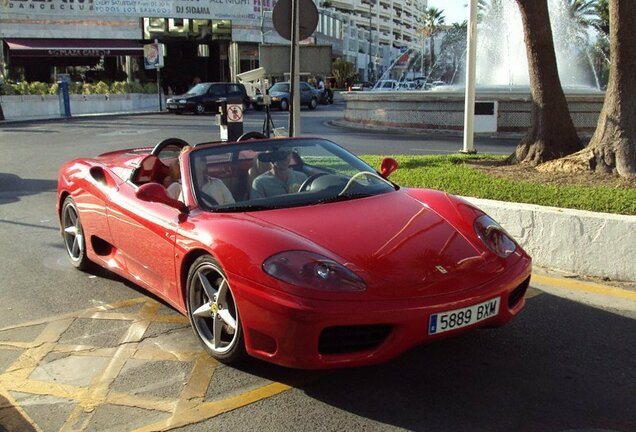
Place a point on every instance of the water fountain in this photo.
(503, 98)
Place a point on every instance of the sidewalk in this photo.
(28, 119)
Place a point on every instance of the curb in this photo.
(599, 245)
(79, 116)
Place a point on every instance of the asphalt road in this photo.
(89, 351)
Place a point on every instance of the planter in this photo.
(33, 107)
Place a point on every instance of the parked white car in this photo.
(385, 85)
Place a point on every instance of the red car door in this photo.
(145, 234)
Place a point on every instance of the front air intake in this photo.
(349, 339)
(517, 294)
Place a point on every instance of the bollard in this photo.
(230, 118)
(63, 83)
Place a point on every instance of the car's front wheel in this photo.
(199, 108)
(313, 103)
(284, 105)
(213, 311)
(73, 235)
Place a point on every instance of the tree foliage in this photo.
(341, 71)
(432, 21)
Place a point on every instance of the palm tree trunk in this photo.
(552, 134)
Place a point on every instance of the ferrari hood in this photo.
(393, 241)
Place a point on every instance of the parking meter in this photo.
(63, 91)
(230, 118)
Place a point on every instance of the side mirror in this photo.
(388, 167)
(154, 192)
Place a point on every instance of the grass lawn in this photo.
(458, 175)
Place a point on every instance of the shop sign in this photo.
(78, 52)
(217, 9)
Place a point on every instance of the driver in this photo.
(211, 186)
(280, 179)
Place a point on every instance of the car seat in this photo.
(151, 169)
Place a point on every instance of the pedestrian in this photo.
(321, 84)
(196, 80)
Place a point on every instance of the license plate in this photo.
(173, 106)
(458, 318)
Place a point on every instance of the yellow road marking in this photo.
(589, 287)
(208, 410)
(189, 407)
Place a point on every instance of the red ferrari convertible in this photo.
(293, 251)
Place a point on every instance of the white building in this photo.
(377, 31)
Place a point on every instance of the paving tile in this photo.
(95, 332)
(48, 412)
(7, 357)
(162, 379)
(69, 369)
(22, 334)
(114, 418)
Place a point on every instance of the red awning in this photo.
(74, 47)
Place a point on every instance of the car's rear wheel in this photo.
(313, 103)
(213, 311)
(73, 235)
(199, 109)
(284, 105)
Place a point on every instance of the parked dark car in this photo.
(281, 96)
(206, 97)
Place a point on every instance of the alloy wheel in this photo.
(213, 311)
(73, 234)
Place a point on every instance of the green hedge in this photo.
(101, 87)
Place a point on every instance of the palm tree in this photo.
(454, 45)
(582, 16)
(602, 22)
(552, 134)
(432, 21)
(613, 146)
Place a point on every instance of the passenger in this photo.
(211, 186)
(172, 182)
(280, 179)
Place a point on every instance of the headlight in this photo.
(275, 98)
(494, 236)
(310, 270)
(183, 101)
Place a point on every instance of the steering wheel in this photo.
(167, 142)
(360, 174)
(251, 135)
(309, 180)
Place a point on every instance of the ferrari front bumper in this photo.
(317, 334)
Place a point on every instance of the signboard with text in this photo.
(217, 9)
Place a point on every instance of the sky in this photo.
(454, 10)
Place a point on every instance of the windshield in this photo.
(279, 173)
(280, 87)
(198, 89)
